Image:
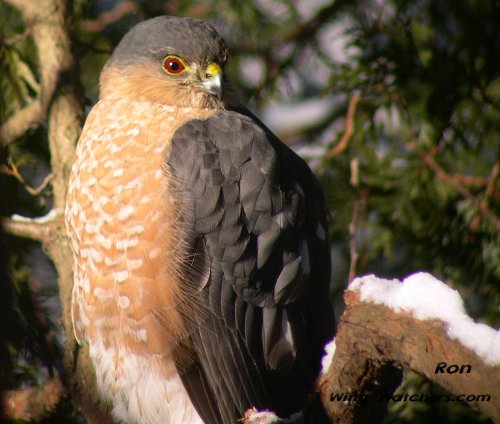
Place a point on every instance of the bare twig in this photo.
(354, 221)
(28, 118)
(349, 127)
(491, 188)
(13, 171)
(18, 37)
(111, 16)
(458, 182)
(471, 180)
(33, 403)
(481, 207)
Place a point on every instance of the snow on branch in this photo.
(419, 324)
(427, 298)
(39, 229)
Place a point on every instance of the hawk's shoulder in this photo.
(256, 204)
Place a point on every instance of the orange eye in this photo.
(173, 65)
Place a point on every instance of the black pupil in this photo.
(174, 65)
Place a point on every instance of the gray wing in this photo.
(255, 215)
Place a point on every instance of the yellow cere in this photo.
(212, 70)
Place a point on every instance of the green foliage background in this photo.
(425, 141)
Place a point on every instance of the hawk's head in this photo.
(169, 60)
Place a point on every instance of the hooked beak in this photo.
(213, 82)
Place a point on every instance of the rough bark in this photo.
(33, 403)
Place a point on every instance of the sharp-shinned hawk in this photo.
(202, 265)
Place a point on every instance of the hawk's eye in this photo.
(174, 65)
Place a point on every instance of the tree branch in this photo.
(471, 180)
(37, 229)
(491, 189)
(481, 207)
(32, 115)
(33, 403)
(28, 118)
(46, 19)
(349, 127)
(61, 100)
(354, 220)
(375, 340)
(13, 171)
(111, 16)
(458, 182)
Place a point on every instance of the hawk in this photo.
(201, 258)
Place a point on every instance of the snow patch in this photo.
(49, 217)
(253, 416)
(326, 361)
(427, 298)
